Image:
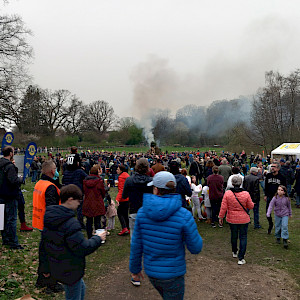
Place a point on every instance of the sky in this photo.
(161, 54)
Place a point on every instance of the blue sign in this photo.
(7, 139)
(29, 155)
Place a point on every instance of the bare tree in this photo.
(15, 53)
(55, 109)
(99, 117)
(74, 116)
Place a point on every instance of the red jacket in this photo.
(94, 192)
(235, 213)
(121, 181)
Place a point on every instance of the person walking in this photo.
(162, 230)
(273, 180)
(283, 211)
(251, 185)
(235, 203)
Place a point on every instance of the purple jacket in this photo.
(282, 207)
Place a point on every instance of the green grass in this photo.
(18, 269)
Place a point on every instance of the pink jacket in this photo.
(235, 213)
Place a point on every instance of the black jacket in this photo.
(196, 169)
(63, 246)
(134, 188)
(251, 185)
(9, 180)
(272, 182)
(183, 188)
(74, 177)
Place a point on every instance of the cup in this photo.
(105, 180)
(99, 231)
(116, 183)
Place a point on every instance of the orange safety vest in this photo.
(39, 203)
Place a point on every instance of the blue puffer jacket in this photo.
(161, 231)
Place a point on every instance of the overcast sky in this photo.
(139, 55)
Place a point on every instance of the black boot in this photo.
(285, 243)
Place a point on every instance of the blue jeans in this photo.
(256, 215)
(281, 227)
(262, 184)
(132, 218)
(9, 234)
(34, 176)
(75, 291)
(239, 231)
(289, 189)
(169, 288)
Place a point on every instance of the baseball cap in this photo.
(161, 179)
(282, 160)
(254, 170)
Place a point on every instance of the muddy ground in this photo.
(205, 279)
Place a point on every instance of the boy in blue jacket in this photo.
(162, 230)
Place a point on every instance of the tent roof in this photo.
(287, 149)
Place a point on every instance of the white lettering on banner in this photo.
(70, 160)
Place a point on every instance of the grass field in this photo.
(18, 268)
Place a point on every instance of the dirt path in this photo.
(205, 279)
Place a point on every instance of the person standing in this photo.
(123, 203)
(251, 185)
(225, 171)
(63, 244)
(273, 180)
(45, 194)
(9, 192)
(93, 205)
(235, 202)
(163, 228)
(196, 170)
(215, 182)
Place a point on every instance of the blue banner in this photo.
(7, 140)
(29, 155)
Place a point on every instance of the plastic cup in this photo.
(116, 182)
(98, 231)
(105, 180)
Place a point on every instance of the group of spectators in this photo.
(231, 182)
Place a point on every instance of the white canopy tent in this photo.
(287, 149)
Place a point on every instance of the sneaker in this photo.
(213, 225)
(124, 231)
(278, 240)
(257, 227)
(17, 247)
(135, 282)
(220, 226)
(241, 262)
(102, 242)
(234, 255)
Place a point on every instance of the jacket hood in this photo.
(4, 162)
(160, 208)
(55, 215)
(140, 179)
(91, 181)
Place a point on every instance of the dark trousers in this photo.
(269, 218)
(256, 214)
(239, 231)
(90, 221)
(21, 212)
(215, 210)
(9, 234)
(123, 214)
(169, 289)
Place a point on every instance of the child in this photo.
(196, 189)
(205, 193)
(63, 246)
(282, 211)
(111, 213)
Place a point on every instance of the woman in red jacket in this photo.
(93, 205)
(123, 203)
(236, 202)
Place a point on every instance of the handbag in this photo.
(241, 204)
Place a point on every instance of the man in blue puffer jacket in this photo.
(162, 230)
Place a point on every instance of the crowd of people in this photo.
(159, 200)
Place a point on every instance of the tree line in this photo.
(267, 119)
